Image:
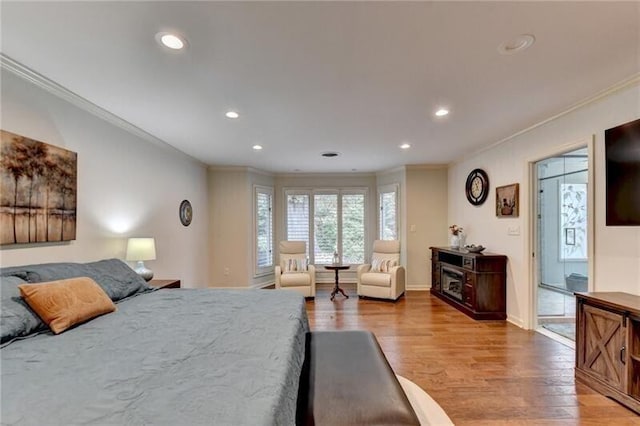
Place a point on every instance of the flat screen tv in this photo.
(622, 150)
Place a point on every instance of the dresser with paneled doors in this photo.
(608, 345)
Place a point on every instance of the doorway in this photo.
(562, 264)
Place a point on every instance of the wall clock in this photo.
(477, 187)
(186, 212)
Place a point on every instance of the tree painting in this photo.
(573, 221)
(38, 184)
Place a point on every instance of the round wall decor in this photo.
(186, 212)
(477, 187)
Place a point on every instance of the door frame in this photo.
(531, 240)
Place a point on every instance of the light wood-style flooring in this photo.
(481, 373)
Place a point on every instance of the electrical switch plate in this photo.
(513, 230)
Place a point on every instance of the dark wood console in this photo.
(474, 283)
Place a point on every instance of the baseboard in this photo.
(516, 321)
(418, 287)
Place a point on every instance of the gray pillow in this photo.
(16, 318)
(115, 277)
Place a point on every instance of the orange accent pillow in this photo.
(65, 303)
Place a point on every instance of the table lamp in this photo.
(139, 250)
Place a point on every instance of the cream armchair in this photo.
(294, 272)
(384, 278)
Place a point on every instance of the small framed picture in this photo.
(570, 236)
(507, 202)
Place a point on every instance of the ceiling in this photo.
(359, 78)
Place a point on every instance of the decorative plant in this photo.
(455, 229)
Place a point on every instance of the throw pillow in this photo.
(115, 277)
(295, 264)
(65, 303)
(17, 319)
(383, 265)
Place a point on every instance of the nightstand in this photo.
(164, 283)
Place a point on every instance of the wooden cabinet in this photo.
(608, 345)
(474, 283)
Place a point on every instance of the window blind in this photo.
(264, 229)
(298, 218)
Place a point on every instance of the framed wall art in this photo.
(573, 221)
(507, 201)
(38, 189)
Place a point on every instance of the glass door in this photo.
(562, 255)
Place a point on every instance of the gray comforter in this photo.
(170, 357)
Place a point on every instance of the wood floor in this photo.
(481, 373)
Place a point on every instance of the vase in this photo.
(455, 241)
(462, 240)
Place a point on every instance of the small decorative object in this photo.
(336, 257)
(474, 249)
(507, 202)
(139, 250)
(462, 239)
(456, 235)
(186, 212)
(477, 187)
(39, 183)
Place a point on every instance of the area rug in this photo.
(428, 411)
(566, 329)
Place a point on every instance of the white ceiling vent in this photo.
(516, 45)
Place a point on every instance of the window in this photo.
(298, 208)
(325, 227)
(263, 230)
(353, 236)
(328, 220)
(388, 219)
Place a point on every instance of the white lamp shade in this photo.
(141, 249)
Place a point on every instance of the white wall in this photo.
(426, 220)
(230, 227)
(127, 186)
(617, 249)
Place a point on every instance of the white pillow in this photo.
(295, 263)
(383, 265)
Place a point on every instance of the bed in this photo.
(188, 356)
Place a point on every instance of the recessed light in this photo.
(172, 41)
(442, 112)
(405, 146)
(257, 147)
(517, 44)
(232, 114)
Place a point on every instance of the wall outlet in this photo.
(412, 228)
(513, 230)
(226, 271)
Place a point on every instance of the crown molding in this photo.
(37, 79)
(434, 166)
(216, 168)
(615, 88)
(342, 175)
(398, 169)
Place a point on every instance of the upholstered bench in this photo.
(346, 380)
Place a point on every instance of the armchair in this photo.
(294, 272)
(384, 277)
